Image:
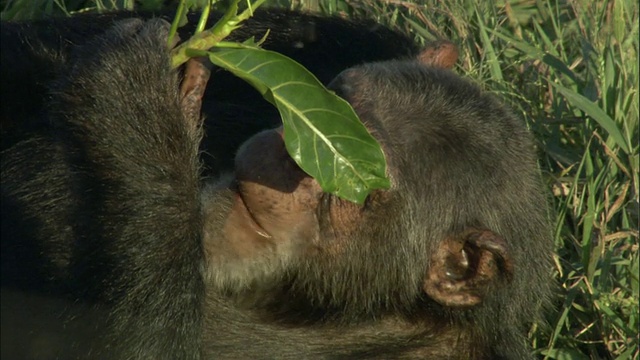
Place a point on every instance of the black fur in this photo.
(103, 202)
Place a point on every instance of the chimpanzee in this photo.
(105, 180)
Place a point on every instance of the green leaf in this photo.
(322, 133)
(536, 53)
(595, 112)
(489, 51)
(565, 354)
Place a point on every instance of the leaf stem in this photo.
(206, 39)
(204, 16)
(182, 7)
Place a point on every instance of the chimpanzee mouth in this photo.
(246, 211)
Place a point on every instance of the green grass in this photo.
(570, 69)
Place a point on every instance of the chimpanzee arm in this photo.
(136, 156)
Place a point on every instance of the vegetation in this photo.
(570, 69)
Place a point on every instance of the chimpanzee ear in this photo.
(464, 267)
(440, 54)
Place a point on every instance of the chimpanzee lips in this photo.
(246, 211)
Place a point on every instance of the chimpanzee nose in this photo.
(264, 160)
